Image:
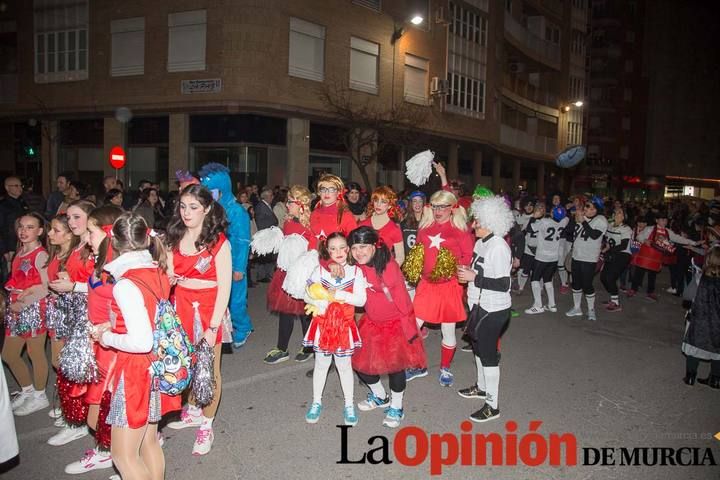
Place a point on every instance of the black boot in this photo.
(690, 378)
(712, 381)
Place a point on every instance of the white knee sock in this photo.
(550, 290)
(448, 334)
(492, 377)
(537, 294)
(396, 399)
(563, 276)
(347, 381)
(590, 299)
(480, 373)
(522, 279)
(577, 298)
(322, 365)
(378, 390)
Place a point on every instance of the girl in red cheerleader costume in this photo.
(288, 308)
(331, 214)
(201, 266)
(135, 408)
(100, 299)
(382, 215)
(25, 318)
(442, 235)
(391, 338)
(71, 285)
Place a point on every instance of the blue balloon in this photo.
(571, 156)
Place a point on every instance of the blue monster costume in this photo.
(216, 178)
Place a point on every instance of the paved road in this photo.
(614, 383)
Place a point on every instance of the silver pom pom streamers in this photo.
(28, 321)
(203, 383)
(56, 316)
(77, 357)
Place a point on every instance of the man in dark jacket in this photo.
(56, 198)
(11, 208)
(265, 218)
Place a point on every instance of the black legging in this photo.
(638, 278)
(397, 380)
(692, 364)
(287, 322)
(582, 276)
(485, 329)
(612, 271)
(543, 271)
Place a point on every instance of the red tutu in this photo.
(106, 364)
(385, 349)
(279, 301)
(439, 302)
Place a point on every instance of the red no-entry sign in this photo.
(117, 157)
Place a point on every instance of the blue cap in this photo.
(598, 202)
(417, 193)
(558, 213)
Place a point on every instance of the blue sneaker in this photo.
(446, 378)
(313, 413)
(373, 402)
(393, 416)
(412, 373)
(242, 340)
(349, 416)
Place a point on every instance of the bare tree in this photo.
(369, 128)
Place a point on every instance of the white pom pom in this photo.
(290, 250)
(267, 241)
(299, 272)
(419, 168)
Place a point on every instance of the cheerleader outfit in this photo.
(139, 284)
(64, 305)
(324, 221)
(390, 233)
(195, 306)
(30, 322)
(277, 299)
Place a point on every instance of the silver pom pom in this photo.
(27, 322)
(203, 383)
(77, 358)
(56, 315)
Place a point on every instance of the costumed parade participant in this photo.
(382, 215)
(443, 242)
(331, 213)
(391, 338)
(488, 279)
(617, 258)
(136, 405)
(216, 178)
(409, 225)
(201, 266)
(590, 227)
(25, 316)
(549, 231)
(333, 333)
(70, 313)
(99, 304)
(531, 239)
(9, 447)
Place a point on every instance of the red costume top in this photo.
(79, 270)
(444, 235)
(53, 269)
(293, 226)
(200, 265)
(323, 221)
(390, 233)
(24, 273)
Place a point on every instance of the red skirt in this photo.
(106, 364)
(204, 300)
(279, 301)
(385, 349)
(439, 302)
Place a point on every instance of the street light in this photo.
(399, 31)
(576, 104)
(417, 19)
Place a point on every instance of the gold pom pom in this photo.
(445, 266)
(413, 265)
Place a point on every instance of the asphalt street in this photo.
(612, 383)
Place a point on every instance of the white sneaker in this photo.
(591, 315)
(18, 398)
(534, 310)
(574, 312)
(67, 435)
(550, 308)
(203, 441)
(93, 460)
(33, 404)
(671, 290)
(60, 422)
(187, 419)
(55, 412)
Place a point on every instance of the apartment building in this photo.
(246, 83)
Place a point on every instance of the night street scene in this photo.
(360, 239)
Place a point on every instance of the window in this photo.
(61, 40)
(468, 24)
(416, 79)
(574, 133)
(371, 4)
(128, 47)
(627, 94)
(307, 50)
(578, 42)
(186, 41)
(466, 93)
(626, 123)
(364, 65)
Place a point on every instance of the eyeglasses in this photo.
(440, 207)
(17, 185)
(328, 190)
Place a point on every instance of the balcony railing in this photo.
(529, 91)
(524, 141)
(8, 88)
(545, 51)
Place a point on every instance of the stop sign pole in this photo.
(117, 158)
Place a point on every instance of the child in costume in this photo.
(201, 266)
(391, 338)
(332, 332)
(25, 316)
(443, 242)
(382, 215)
(488, 280)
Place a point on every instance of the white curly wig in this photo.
(493, 214)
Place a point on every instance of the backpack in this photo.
(172, 350)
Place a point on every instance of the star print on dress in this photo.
(321, 235)
(436, 240)
(25, 265)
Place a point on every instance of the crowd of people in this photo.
(364, 273)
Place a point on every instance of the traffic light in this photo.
(29, 150)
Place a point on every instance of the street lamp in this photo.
(399, 31)
(417, 19)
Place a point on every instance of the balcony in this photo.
(8, 88)
(529, 95)
(579, 18)
(521, 140)
(532, 45)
